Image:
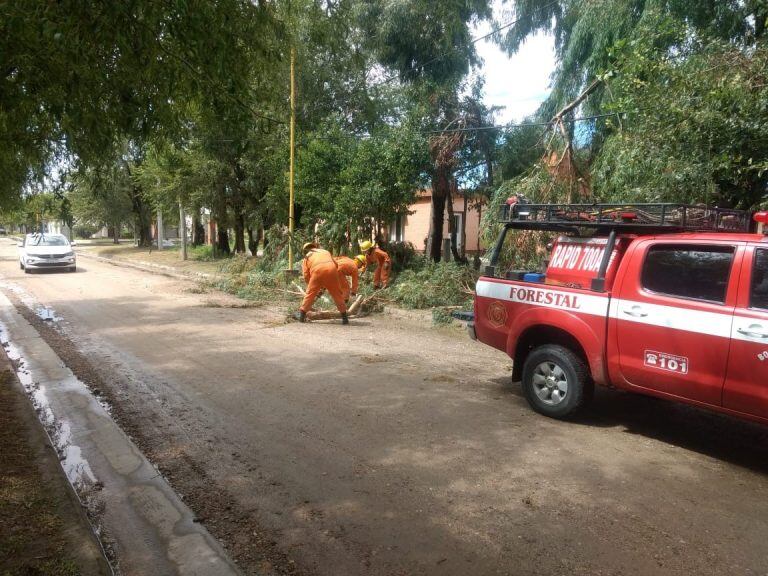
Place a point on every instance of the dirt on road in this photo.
(389, 448)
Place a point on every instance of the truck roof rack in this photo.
(630, 218)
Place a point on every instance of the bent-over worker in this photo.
(348, 268)
(320, 272)
(374, 254)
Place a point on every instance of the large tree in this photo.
(80, 77)
(430, 48)
(585, 31)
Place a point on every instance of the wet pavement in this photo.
(145, 526)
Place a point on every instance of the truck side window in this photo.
(697, 272)
(759, 293)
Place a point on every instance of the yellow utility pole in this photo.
(290, 174)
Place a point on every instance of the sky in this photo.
(521, 82)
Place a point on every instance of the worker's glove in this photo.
(354, 294)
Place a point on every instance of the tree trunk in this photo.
(198, 230)
(142, 219)
(452, 231)
(222, 240)
(464, 229)
(222, 222)
(253, 241)
(440, 191)
(116, 233)
(239, 232)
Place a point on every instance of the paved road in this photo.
(387, 448)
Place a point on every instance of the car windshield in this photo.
(46, 240)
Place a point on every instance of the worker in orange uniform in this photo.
(374, 254)
(320, 272)
(348, 268)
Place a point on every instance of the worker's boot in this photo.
(302, 316)
(344, 318)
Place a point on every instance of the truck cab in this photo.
(660, 299)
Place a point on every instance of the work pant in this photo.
(320, 279)
(381, 276)
(345, 289)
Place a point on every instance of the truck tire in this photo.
(556, 382)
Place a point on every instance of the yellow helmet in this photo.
(360, 261)
(366, 245)
(307, 247)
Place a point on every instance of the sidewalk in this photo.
(167, 261)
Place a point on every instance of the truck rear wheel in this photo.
(556, 382)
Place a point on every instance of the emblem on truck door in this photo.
(497, 314)
(668, 362)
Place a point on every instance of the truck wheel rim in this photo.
(550, 383)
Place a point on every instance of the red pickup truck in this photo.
(661, 299)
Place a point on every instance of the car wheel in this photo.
(556, 382)
(21, 265)
(27, 270)
(72, 268)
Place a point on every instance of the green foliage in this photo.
(256, 280)
(84, 231)
(441, 317)
(522, 250)
(696, 128)
(102, 196)
(407, 35)
(202, 253)
(520, 150)
(403, 255)
(344, 182)
(585, 31)
(55, 57)
(434, 284)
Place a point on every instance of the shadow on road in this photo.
(711, 434)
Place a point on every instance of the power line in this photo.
(507, 126)
(520, 125)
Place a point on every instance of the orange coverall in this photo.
(383, 264)
(321, 272)
(347, 267)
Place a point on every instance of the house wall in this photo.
(416, 227)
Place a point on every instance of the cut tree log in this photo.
(356, 305)
(353, 310)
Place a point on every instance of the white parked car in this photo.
(46, 251)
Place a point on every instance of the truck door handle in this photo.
(635, 311)
(753, 331)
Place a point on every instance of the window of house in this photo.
(758, 297)
(397, 229)
(695, 272)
